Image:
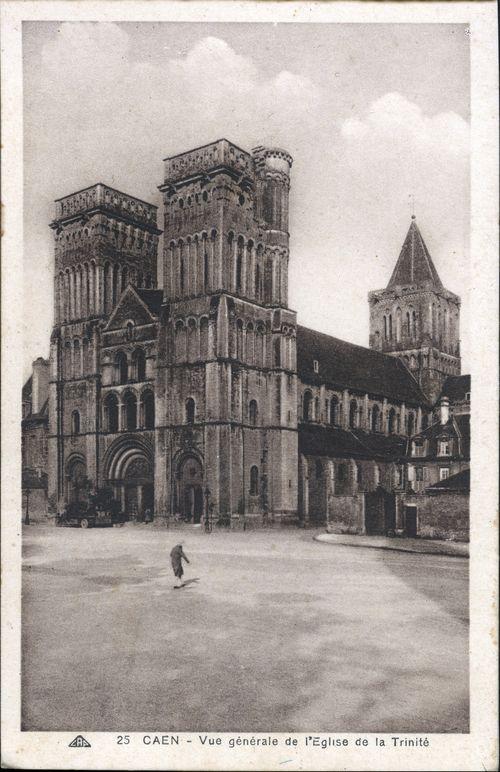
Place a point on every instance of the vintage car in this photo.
(92, 514)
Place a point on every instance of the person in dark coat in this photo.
(176, 557)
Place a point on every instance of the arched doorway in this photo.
(190, 489)
(76, 479)
(129, 471)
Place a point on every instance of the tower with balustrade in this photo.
(104, 240)
(226, 374)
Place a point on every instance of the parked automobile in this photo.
(100, 511)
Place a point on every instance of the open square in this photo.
(280, 633)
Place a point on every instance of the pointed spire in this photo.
(414, 264)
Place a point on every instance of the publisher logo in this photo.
(79, 742)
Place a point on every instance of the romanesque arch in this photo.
(129, 470)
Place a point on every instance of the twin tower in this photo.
(217, 348)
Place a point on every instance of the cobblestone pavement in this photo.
(280, 633)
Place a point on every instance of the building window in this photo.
(444, 473)
(399, 476)
(341, 472)
(315, 365)
(376, 475)
(391, 421)
(319, 469)
(353, 414)
(375, 418)
(277, 353)
(444, 447)
(411, 424)
(419, 473)
(130, 403)
(307, 406)
(467, 396)
(140, 365)
(418, 448)
(253, 412)
(359, 474)
(334, 411)
(121, 366)
(75, 422)
(148, 402)
(254, 481)
(190, 411)
(111, 413)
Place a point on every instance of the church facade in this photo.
(207, 395)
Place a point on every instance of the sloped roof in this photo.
(437, 429)
(346, 365)
(153, 298)
(456, 387)
(320, 440)
(414, 265)
(457, 482)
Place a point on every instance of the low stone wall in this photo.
(441, 515)
(345, 514)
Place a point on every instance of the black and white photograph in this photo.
(246, 328)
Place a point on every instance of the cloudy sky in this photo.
(371, 114)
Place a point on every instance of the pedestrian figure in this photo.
(148, 516)
(176, 557)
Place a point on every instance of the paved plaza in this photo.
(281, 633)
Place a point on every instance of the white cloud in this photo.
(393, 118)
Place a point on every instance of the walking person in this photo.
(176, 557)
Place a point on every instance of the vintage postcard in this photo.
(249, 325)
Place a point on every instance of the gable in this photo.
(130, 307)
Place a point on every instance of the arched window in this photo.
(408, 324)
(390, 326)
(277, 352)
(129, 331)
(111, 413)
(359, 474)
(353, 414)
(259, 345)
(130, 402)
(75, 422)
(318, 469)
(148, 402)
(204, 337)
(385, 327)
(375, 418)
(77, 359)
(239, 339)
(181, 274)
(205, 272)
(414, 324)
(334, 411)
(425, 422)
(341, 472)
(140, 365)
(316, 409)
(307, 406)
(253, 412)
(391, 421)
(411, 423)
(239, 263)
(254, 481)
(257, 281)
(121, 366)
(190, 410)
(398, 324)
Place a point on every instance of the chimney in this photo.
(40, 384)
(444, 410)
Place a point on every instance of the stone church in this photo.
(207, 394)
